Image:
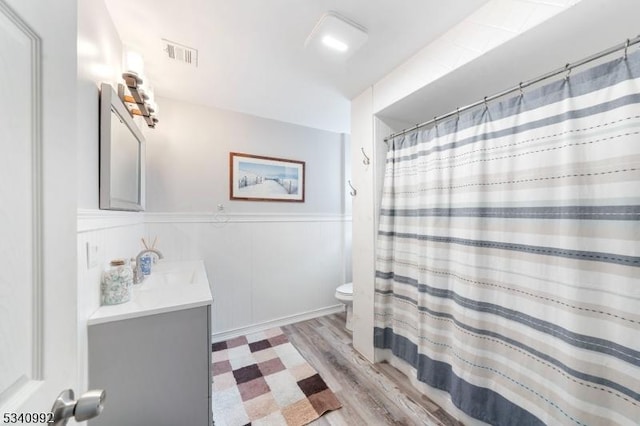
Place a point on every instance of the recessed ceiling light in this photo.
(338, 33)
(334, 43)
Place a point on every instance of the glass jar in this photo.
(117, 280)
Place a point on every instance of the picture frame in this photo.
(260, 178)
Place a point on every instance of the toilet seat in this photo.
(345, 290)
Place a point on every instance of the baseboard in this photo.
(254, 328)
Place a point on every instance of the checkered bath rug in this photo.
(261, 379)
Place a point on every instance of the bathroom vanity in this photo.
(152, 354)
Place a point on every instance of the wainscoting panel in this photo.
(115, 235)
(262, 268)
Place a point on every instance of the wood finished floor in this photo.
(371, 394)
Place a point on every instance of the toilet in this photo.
(344, 294)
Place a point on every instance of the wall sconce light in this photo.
(140, 98)
(133, 66)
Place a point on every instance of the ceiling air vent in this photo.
(181, 53)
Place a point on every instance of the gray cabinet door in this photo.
(156, 369)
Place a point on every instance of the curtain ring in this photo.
(568, 68)
(486, 106)
(626, 47)
(435, 120)
(458, 112)
(365, 160)
(520, 86)
(353, 191)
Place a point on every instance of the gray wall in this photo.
(188, 160)
(268, 262)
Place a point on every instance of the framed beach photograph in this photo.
(258, 178)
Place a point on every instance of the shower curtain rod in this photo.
(567, 68)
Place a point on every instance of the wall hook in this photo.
(353, 191)
(626, 47)
(365, 160)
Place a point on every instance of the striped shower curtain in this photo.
(508, 261)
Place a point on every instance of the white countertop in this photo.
(172, 286)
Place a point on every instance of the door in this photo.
(38, 325)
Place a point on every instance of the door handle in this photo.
(88, 406)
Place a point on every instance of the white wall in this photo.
(116, 234)
(99, 60)
(366, 212)
(268, 262)
(363, 224)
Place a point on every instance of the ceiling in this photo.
(585, 29)
(251, 54)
